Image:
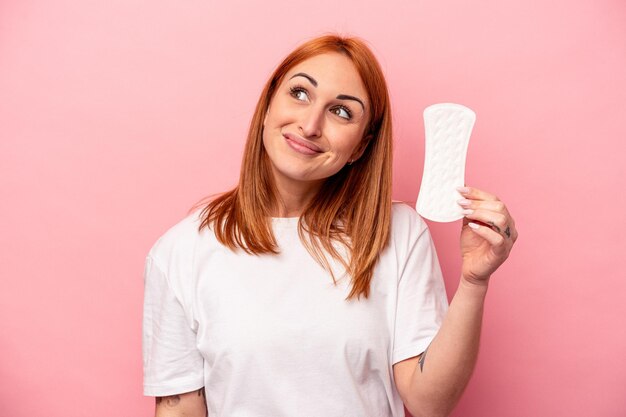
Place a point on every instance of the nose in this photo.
(311, 122)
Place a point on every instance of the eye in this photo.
(342, 112)
(299, 93)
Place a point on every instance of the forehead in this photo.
(332, 71)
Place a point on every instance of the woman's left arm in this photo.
(432, 383)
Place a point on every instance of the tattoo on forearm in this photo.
(169, 401)
(422, 359)
(174, 400)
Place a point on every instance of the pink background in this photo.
(116, 116)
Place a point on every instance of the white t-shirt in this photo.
(272, 336)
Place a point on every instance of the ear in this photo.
(358, 151)
(267, 113)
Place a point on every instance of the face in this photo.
(316, 120)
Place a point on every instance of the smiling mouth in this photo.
(301, 145)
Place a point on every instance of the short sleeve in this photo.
(422, 302)
(172, 363)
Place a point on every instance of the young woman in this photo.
(304, 291)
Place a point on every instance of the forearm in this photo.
(446, 367)
(191, 404)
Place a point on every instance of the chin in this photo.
(294, 174)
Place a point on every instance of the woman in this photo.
(304, 291)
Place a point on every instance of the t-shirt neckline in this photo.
(285, 221)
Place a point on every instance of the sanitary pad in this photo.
(448, 128)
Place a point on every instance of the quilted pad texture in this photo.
(448, 128)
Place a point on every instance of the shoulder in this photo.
(409, 239)
(170, 265)
(408, 229)
(177, 242)
(405, 221)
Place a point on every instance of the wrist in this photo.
(478, 286)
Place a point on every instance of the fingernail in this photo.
(464, 202)
(473, 225)
(467, 211)
(463, 190)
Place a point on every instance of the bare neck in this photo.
(294, 196)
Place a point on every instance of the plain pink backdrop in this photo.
(116, 116)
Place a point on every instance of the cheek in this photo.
(347, 141)
(278, 113)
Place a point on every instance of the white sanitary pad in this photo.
(448, 127)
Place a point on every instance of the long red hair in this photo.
(353, 207)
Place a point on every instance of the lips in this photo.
(301, 145)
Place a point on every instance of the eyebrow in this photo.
(340, 96)
(307, 76)
(347, 97)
